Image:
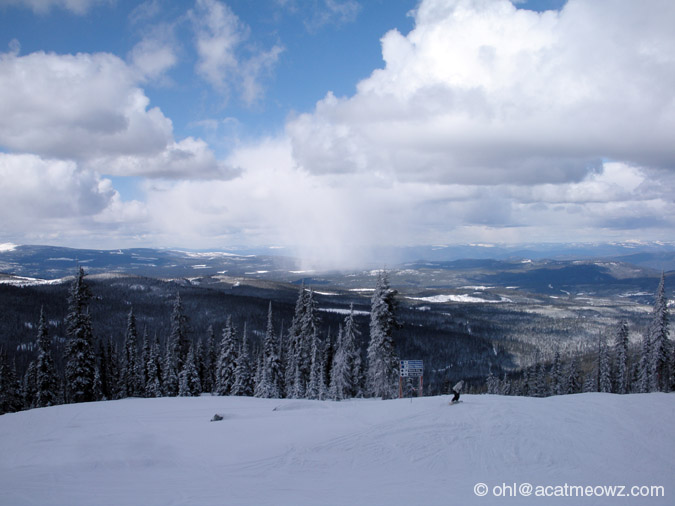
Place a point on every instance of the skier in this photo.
(456, 390)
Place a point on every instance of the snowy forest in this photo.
(301, 361)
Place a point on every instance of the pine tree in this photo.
(10, 389)
(47, 383)
(80, 356)
(131, 370)
(382, 361)
(621, 358)
(170, 370)
(659, 375)
(30, 386)
(227, 360)
(189, 384)
(178, 338)
(243, 380)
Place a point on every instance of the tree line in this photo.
(614, 367)
(297, 363)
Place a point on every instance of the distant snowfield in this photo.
(359, 452)
(441, 299)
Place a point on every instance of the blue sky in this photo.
(334, 126)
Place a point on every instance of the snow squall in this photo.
(165, 451)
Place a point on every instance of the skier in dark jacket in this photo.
(456, 390)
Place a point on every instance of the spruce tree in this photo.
(557, 381)
(210, 361)
(293, 346)
(316, 387)
(10, 388)
(47, 383)
(145, 360)
(189, 384)
(644, 369)
(153, 387)
(131, 366)
(270, 377)
(659, 375)
(621, 358)
(79, 354)
(572, 377)
(170, 370)
(178, 338)
(227, 360)
(604, 371)
(382, 361)
(243, 380)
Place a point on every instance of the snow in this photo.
(26, 281)
(360, 452)
(7, 246)
(344, 311)
(458, 298)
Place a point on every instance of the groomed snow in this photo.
(361, 452)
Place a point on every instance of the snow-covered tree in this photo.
(47, 383)
(382, 360)
(644, 369)
(557, 380)
(227, 360)
(10, 388)
(153, 387)
(144, 361)
(178, 338)
(572, 377)
(189, 384)
(132, 383)
(243, 378)
(604, 371)
(271, 380)
(621, 358)
(660, 345)
(29, 387)
(316, 387)
(79, 354)
(492, 384)
(210, 360)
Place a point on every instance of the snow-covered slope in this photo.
(361, 452)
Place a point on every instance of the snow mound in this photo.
(358, 452)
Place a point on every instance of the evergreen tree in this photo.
(131, 370)
(316, 387)
(572, 378)
(243, 380)
(621, 358)
(294, 346)
(110, 371)
(210, 361)
(227, 360)
(153, 387)
(557, 381)
(189, 384)
(145, 361)
(47, 383)
(79, 354)
(382, 361)
(270, 377)
(643, 380)
(178, 339)
(604, 372)
(10, 389)
(492, 384)
(659, 374)
(541, 388)
(30, 386)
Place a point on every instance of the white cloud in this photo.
(483, 93)
(90, 109)
(224, 61)
(155, 54)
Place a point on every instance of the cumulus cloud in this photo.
(89, 108)
(224, 59)
(480, 92)
(155, 54)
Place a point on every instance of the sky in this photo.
(332, 127)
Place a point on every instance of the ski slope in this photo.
(359, 452)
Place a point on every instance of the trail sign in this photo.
(412, 368)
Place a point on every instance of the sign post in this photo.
(410, 369)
